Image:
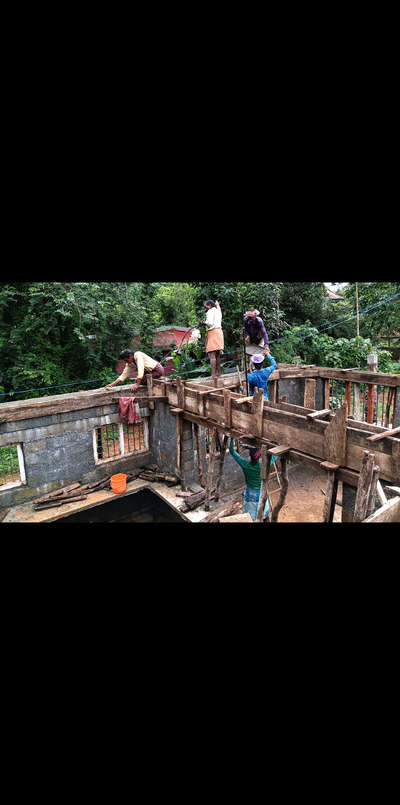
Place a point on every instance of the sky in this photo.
(334, 286)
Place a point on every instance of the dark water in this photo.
(141, 507)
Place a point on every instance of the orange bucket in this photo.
(118, 483)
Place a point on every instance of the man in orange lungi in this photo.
(214, 335)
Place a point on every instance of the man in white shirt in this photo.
(214, 335)
(145, 365)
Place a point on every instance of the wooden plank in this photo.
(279, 451)
(257, 411)
(272, 389)
(388, 513)
(62, 491)
(289, 407)
(221, 466)
(327, 465)
(388, 406)
(394, 489)
(243, 400)
(227, 408)
(180, 392)
(357, 403)
(200, 405)
(364, 487)
(335, 438)
(373, 492)
(381, 495)
(380, 378)
(309, 393)
(330, 497)
(327, 399)
(347, 395)
(176, 410)
(318, 414)
(370, 404)
(383, 435)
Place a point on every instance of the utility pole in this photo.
(358, 319)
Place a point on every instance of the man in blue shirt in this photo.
(259, 378)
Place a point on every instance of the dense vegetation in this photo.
(55, 333)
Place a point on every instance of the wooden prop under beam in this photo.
(335, 438)
(331, 491)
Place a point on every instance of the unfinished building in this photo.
(336, 433)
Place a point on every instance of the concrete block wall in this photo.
(58, 450)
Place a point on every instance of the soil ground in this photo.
(304, 499)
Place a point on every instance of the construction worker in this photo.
(256, 336)
(214, 335)
(145, 366)
(252, 474)
(259, 377)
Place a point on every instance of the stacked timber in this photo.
(195, 499)
(153, 473)
(76, 491)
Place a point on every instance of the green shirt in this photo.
(252, 472)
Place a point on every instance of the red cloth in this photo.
(126, 409)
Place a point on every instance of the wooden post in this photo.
(357, 406)
(284, 488)
(331, 491)
(265, 468)
(335, 438)
(227, 408)
(372, 361)
(309, 393)
(389, 405)
(272, 390)
(373, 492)
(221, 465)
(199, 453)
(364, 487)
(257, 408)
(210, 473)
(181, 392)
(347, 396)
(326, 393)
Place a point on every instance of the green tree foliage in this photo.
(305, 345)
(381, 320)
(303, 301)
(237, 297)
(174, 303)
(44, 329)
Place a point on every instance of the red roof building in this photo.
(164, 339)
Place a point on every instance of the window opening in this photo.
(12, 471)
(119, 439)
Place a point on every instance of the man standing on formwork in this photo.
(256, 336)
(214, 335)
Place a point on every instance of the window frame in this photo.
(123, 453)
